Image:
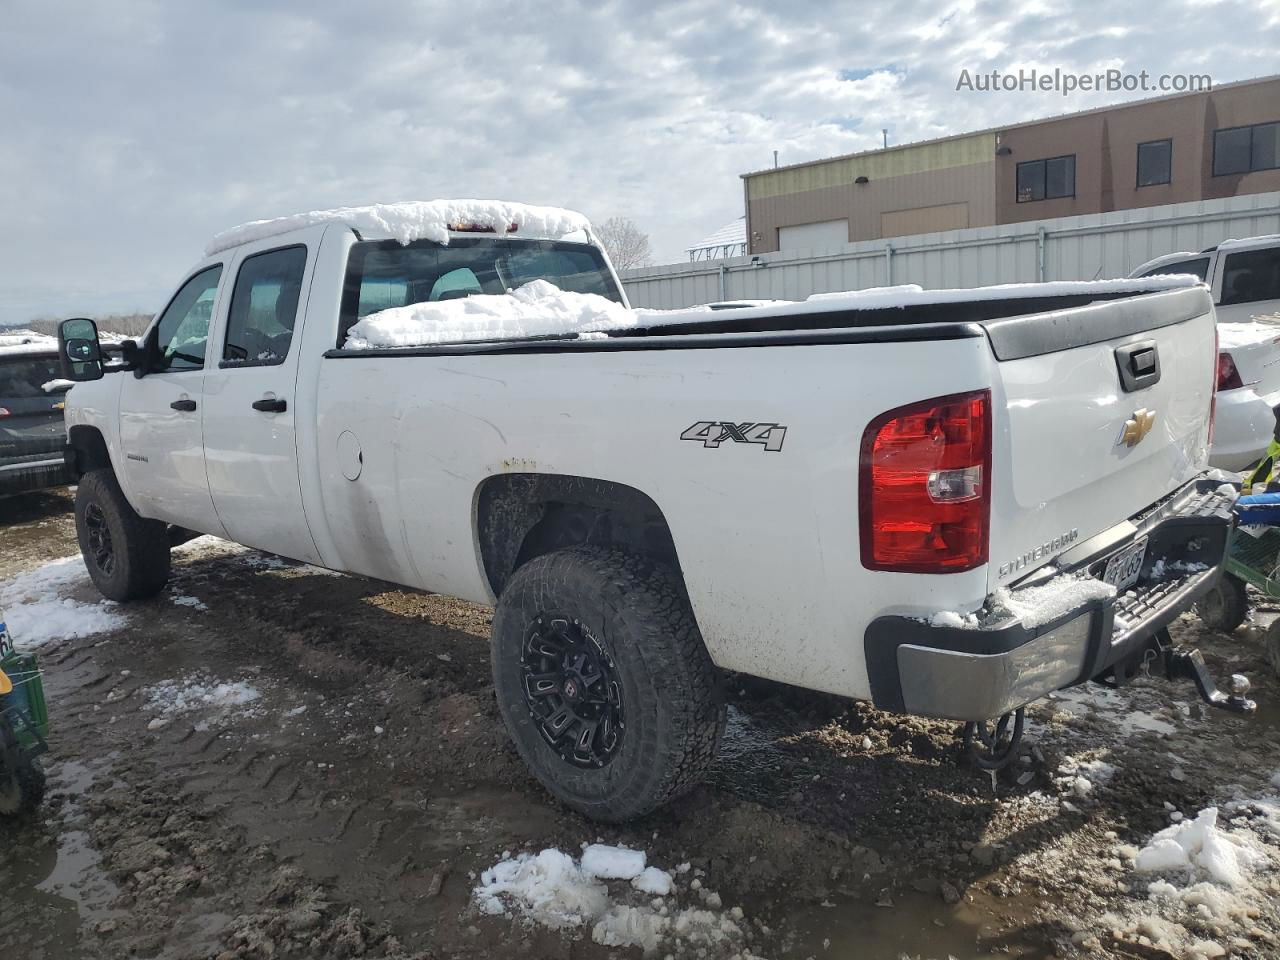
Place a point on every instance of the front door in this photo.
(249, 404)
(164, 463)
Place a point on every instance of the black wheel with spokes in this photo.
(572, 690)
(603, 681)
(127, 556)
(1226, 606)
(99, 537)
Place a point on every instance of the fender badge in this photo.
(1137, 427)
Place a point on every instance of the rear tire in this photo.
(21, 790)
(1226, 605)
(127, 555)
(604, 682)
(1272, 641)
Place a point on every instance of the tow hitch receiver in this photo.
(1189, 665)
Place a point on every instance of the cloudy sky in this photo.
(133, 130)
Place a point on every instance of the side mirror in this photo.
(79, 354)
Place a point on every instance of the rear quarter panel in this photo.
(767, 540)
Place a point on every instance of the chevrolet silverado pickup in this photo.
(950, 503)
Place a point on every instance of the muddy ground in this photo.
(347, 811)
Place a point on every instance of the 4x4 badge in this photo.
(712, 433)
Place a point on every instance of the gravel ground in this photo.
(271, 761)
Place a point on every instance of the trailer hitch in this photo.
(1189, 665)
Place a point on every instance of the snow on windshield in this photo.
(411, 220)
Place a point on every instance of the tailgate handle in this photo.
(1138, 364)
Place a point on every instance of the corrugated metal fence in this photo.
(1097, 246)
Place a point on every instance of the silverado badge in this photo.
(1137, 427)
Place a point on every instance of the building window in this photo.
(1155, 162)
(1047, 179)
(1246, 149)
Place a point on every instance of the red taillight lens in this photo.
(1228, 375)
(925, 486)
(4, 411)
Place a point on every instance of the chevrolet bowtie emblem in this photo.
(1137, 427)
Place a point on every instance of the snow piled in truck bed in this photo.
(537, 308)
(555, 890)
(417, 220)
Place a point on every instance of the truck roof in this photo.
(410, 220)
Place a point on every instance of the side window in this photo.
(1250, 276)
(264, 308)
(183, 329)
(461, 282)
(1199, 266)
(1046, 179)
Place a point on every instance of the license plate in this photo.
(1123, 569)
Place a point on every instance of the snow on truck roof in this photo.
(411, 220)
(17, 342)
(540, 309)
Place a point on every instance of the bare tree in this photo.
(628, 246)
(124, 324)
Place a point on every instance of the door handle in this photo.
(186, 406)
(271, 405)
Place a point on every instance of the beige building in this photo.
(1192, 146)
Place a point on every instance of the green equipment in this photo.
(24, 725)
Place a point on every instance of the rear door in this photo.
(31, 427)
(1086, 446)
(249, 399)
(163, 466)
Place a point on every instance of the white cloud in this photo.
(135, 130)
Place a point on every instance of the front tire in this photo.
(604, 682)
(127, 555)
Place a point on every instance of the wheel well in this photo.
(90, 450)
(520, 516)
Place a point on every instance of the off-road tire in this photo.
(674, 712)
(139, 547)
(21, 790)
(1225, 606)
(1272, 643)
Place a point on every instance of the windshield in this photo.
(384, 274)
(24, 379)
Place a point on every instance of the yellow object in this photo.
(1265, 472)
(6, 685)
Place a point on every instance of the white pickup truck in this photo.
(947, 502)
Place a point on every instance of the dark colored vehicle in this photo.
(32, 434)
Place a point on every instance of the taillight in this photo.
(1213, 394)
(1228, 375)
(925, 486)
(4, 411)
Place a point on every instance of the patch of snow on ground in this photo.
(194, 602)
(411, 220)
(553, 889)
(538, 308)
(173, 697)
(35, 607)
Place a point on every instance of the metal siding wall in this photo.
(1077, 248)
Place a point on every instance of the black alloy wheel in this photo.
(571, 689)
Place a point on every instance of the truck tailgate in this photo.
(1107, 411)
